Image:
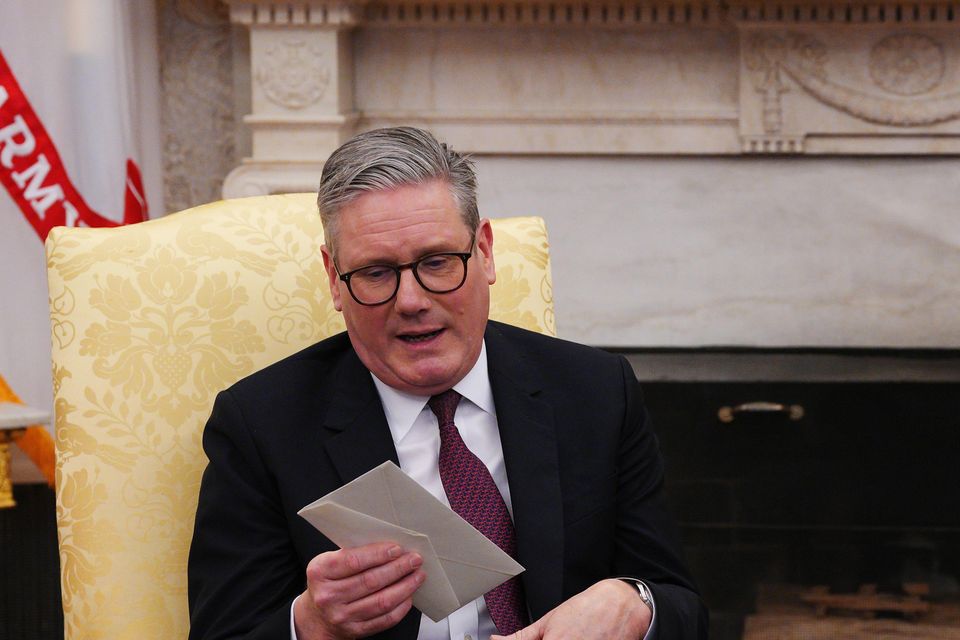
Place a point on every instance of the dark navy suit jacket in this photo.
(583, 464)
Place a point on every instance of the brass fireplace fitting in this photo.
(728, 414)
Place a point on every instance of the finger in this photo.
(377, 578)
(330, 595)
(381, 603)
(532, 632)
(335, 565)
(383, 622)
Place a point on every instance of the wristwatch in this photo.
(645, 596)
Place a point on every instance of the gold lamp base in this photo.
(6, 484)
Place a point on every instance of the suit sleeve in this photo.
(243, 572)
(647, 544)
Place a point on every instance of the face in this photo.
(418, 342)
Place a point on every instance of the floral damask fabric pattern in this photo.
(149, 323)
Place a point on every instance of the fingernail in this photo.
(415, 561)
(394, 552)
(421, 577)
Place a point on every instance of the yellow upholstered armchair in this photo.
(149, 322)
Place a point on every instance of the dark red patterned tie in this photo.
(474, 496)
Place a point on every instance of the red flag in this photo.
(34, 175)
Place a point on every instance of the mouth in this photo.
(416, 338)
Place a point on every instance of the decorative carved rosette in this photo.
(293, 74)
(907, 64)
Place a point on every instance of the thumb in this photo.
(532, 632)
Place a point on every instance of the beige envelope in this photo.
(385, 504)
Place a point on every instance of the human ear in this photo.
(332, 277)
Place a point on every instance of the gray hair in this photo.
(385, 159)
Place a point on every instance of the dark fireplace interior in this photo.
(863, 489)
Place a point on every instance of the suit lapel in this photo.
(363, 440)
(529, 439)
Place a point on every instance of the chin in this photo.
(433, 381)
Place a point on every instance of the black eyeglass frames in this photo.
(377, 284)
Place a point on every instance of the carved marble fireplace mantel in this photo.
(756, 173)
(599, 77)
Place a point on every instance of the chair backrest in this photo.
(149, 322)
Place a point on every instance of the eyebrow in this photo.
(428, 252)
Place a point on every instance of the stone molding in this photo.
(309, 13)
(825, 90)
(797, 77)
(550, 13)
(265, 178)
(869, 12)
(440, 13)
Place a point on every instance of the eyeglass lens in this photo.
(439, 273)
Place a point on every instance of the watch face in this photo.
(642, 589)
(644, 593)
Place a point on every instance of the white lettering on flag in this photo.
(72, 215)
(11, 148)
(40, 197)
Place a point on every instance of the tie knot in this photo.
(444, 406)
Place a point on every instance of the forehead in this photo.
(401, 222)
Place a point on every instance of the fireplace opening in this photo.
(817, 493)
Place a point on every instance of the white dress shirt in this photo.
(416, 436)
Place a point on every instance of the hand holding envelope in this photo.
(384, 505)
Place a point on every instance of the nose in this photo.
(411, 297)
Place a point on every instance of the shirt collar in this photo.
(402, 408)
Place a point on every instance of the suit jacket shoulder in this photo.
(553, 362)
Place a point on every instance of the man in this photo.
(547, 439)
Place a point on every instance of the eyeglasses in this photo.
(377, 284)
